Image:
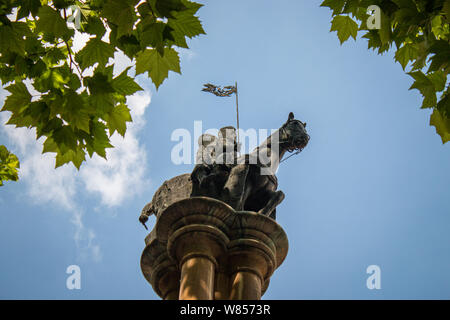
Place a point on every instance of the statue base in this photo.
(202, 249)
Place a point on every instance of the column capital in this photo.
(199, 238)
(158, 268)
(195, 232)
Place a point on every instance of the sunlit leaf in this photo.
(158, 67)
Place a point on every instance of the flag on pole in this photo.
(218, 91)
(225, 92)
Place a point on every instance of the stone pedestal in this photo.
(201, 249)
(159, 269)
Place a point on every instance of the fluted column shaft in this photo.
(195, 242)
(222, 281)
(196, 248)
(250, 262)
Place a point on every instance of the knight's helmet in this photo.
(227, 147)
(206, 149)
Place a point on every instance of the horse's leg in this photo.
(234, 187)
(275, 198)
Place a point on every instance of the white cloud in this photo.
(122, 175)
(44, 183)
(84, 239)
(187, 54)
(79, 41)
(114, 181)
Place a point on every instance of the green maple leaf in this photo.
(385, 31)
(444, 104)
(152, 34)
(102, 98)
(191, 6)
(8, 165)
(128, 44)
(19, 98)
(50, 145)
(99, 83)
(165, 8)
(335, 5)
(102, 102)
(125, 85)
(38, 112)
(122, 14)
(79, 115)
(439, 79)
(175, 37)
(52, 78)
(422, 54)
(47, 128)
(75, 112)
(51, 22)
(373, 38)
(100, 141)
(95, 51)
(20, 120)
(158, 66)
(27, 7)
(345, 27)
(446, 9)
(184, 23)
(95, 26)
(442, 125)
(65, 139)
(75, 156)
(426, 87)
(441, 57)
(54, 55)
(117, 119)
(11, 40)
(406, 53)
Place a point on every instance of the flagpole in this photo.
(237, 113)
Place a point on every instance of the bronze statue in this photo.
(245, 183)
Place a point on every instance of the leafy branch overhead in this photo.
(420, 32)
(72, 99)
(8, 166)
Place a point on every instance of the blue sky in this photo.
(369, 189)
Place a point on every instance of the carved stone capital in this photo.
(201, 248)
(159, 269)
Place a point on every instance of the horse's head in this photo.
(293, 135)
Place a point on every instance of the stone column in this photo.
(222, 281)
(196, 248)
(258, 245)
(196, 237)
(250, 263)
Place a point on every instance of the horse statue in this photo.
(245, 183)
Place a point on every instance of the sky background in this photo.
(371, 188)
